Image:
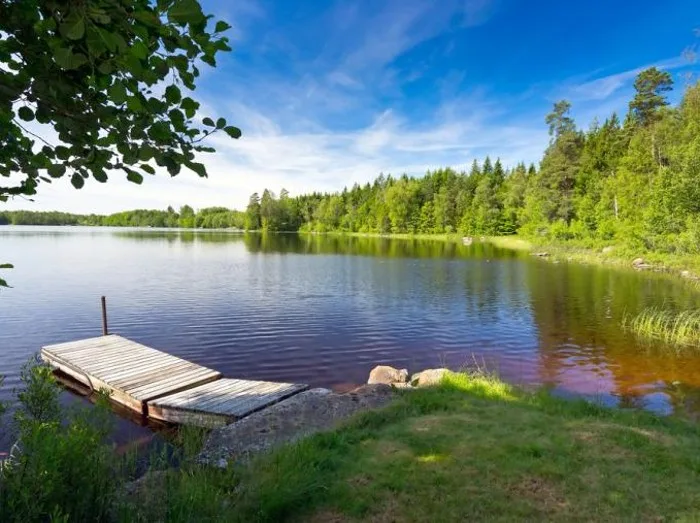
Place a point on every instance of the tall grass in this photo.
(679, 329)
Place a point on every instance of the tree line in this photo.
(635, 181)
(186, 217)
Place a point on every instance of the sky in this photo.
(332, 93)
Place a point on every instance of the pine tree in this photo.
(252, 213)
(650, 84)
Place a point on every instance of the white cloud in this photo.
(326, 160)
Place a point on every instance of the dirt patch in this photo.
(541, 492)
(327, 516)
(288, 421)
(427, 423)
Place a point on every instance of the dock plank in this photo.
(106, 363)
(221, 402)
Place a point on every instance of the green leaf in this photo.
(105, 67)
(189, 106)
(233, 132)
(186, 12)
(77, 181)
(57, 170)
(221, 26)
(100, 176)
(134, 177)
(134, 104)
(117, 93)
(65, 58)
(3, 283)
(221, 123)
(208, 121)
(172, 94)
(139, 50)
(73, 28)
(26, 114)
(62, 152)
(148, 168)
(6, 266)
(198, 168)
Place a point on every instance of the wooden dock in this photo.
(162, 386)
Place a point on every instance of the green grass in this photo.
(591, 252)
(675, 329)
(473, 448)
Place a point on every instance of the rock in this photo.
(467, 240)
(428, 377)
(383, 374)
(543, 254)
(608, 249)
(289, 420)
(406, 385)
(641, 265)
(686, 274)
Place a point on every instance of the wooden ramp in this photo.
(162, 386)
(221, 402)
(132, 373)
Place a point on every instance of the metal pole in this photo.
(104, 316)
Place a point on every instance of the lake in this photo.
(324, 310)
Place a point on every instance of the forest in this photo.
(634, 181)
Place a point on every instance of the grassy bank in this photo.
(601, 254)
(473, 448)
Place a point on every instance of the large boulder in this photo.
(428, 377)
(383, 374)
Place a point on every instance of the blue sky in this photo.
(329, 93)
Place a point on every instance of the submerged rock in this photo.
(428, 377)
(383, 374)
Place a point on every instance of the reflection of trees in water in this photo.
(369, 246)
(578, 311)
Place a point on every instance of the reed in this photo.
(678, 329)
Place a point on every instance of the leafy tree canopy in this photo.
(90, 87)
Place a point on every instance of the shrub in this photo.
(65, 470)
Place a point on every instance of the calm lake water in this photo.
(324, 310)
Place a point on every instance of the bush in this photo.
(559, 230)
(65, 470)
(689, 240)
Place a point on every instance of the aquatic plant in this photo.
(679, 329)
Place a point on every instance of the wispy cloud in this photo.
(604, 87)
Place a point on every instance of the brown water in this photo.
(324, 310)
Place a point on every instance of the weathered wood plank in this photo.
(166, 384)
(219, 403)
